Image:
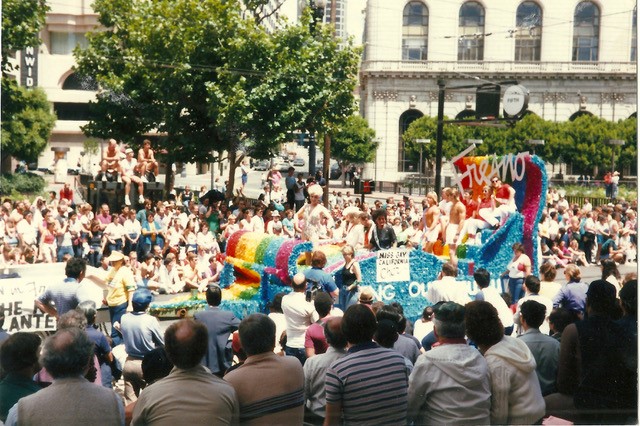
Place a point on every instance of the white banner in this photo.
(17, 297)
(392, 265)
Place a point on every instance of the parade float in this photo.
(257, 266)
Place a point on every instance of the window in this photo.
(415, 31)
(64, 43)
(405, 164)
(634, 35)
(471, 32)
(71, 111)
(528, 32)
(586, 31)
(77, 82)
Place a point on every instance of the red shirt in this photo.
(314, 338)
(471, 207)
(503, 191)
(66, 194)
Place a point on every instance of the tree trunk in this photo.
(234, 162)
(169, 178)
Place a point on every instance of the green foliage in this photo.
(27, 121)
(208, 77)
(22, 183)
(354, 141)
(582, 142)
(22, 21)
(91, 146)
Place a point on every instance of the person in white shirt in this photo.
(257, 222)
(128, 166)
(532, 289)
(490, 294)
(299, 314)
(447, 289)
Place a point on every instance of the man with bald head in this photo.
(190, 393)
(110, 165)
(299, 314)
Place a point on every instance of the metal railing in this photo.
(500, 67)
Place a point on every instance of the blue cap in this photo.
(141, 299)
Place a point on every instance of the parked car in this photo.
(298, 162)
(262, 165)
(335, 171)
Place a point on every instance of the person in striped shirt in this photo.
(369, 385)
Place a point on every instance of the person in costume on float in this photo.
(312, 214)
(382, 236)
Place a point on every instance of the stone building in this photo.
(575, 57)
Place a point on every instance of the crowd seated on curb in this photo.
(176, 245)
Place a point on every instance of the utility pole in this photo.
(439, 136)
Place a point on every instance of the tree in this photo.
(586, 148)
(27, 120)
(354, 142)
(210, 80)
(425, 128)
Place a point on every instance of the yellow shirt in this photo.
(120, 283)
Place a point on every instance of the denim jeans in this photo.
(65, 250)
(296, 352)
(116, 313)
(515, 289)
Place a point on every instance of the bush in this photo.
(23, 183)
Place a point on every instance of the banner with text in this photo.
(392, 265)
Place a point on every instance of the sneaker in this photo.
(141, 199)
(104, 178)
(127, 201)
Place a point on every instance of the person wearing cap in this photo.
(450, 383)
(220, 324)
(312, 215)
(366, 297)
(597, 372)
(141, 334)
(615, 179)
(128, 166)
(120, 284)
(274, 227)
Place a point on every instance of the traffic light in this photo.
(488, 101)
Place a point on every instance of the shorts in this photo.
(451, 232)
(432, 236)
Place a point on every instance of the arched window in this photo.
(415, 31)
(404, 163)
(78, 82)
(586, 32)
(471, 32)
(634, 35)
(578, 114)
(528, 32)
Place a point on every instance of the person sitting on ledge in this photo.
(147, 163)
(128, 167)
(110, 165)
(504, 196)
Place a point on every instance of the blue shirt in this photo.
(63, 295)
(572, 296)
(322, 278)
(141, 333)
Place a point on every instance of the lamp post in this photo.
(614, 143)
(534, 142)
(422, 143)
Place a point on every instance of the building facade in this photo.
(575, 57)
